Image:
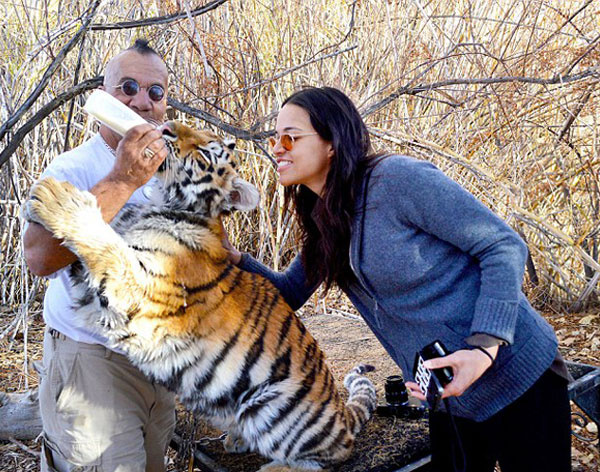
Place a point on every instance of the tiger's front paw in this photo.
(58, 206)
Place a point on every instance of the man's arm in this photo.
(132, 169)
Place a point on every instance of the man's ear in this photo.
(244, 195)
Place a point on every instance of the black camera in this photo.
(396, 398)
(432, 382)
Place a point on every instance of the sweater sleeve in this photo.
(434, 203)
(291, 283)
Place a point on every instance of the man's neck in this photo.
(110, 137)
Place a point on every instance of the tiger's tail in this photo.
(362, 399)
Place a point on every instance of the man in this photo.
(98, 411)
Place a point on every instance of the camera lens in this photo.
(395, 392)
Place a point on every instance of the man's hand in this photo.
(138, 156)
(467, 366)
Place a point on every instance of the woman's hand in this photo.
(467, 366)
(234, 255)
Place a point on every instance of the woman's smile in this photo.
(283, 163)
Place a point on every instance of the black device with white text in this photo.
(432, 382)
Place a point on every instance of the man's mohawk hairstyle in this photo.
(142, 46)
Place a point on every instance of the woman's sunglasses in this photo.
(131, 88)
(287, 140)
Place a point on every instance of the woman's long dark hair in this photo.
(325, 223)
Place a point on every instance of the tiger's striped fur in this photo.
(159, 286)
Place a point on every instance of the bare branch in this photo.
(346, 36)
(196, 36)
(475, 169)
(72, 107)
(240, 133)
(158, 20)
(566, 22)
(44, 112)
(49, 72)
(557, 79)
(573, 114)
(593, 45)
(288, 71)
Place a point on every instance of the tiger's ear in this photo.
(244, 196)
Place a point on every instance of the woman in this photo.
(423, 260)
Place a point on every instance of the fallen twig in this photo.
(22, 446)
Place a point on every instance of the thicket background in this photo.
(501, 94)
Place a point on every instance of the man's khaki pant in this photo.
(99, 412)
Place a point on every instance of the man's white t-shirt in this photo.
(84, 167)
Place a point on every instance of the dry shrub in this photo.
(501, 95)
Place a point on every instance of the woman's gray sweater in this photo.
(432, 262)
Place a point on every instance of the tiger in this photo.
(158, 285)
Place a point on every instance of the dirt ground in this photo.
(385, 445)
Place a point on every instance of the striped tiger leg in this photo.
(234, 443)
(362, 399)
(278, 467)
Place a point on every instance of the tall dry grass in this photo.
(500, 94)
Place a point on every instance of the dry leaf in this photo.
(589, 319)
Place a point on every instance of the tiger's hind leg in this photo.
(279, 467)
(74, 216)
(234, 443)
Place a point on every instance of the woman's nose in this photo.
(278, 149)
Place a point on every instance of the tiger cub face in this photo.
(199, 173)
